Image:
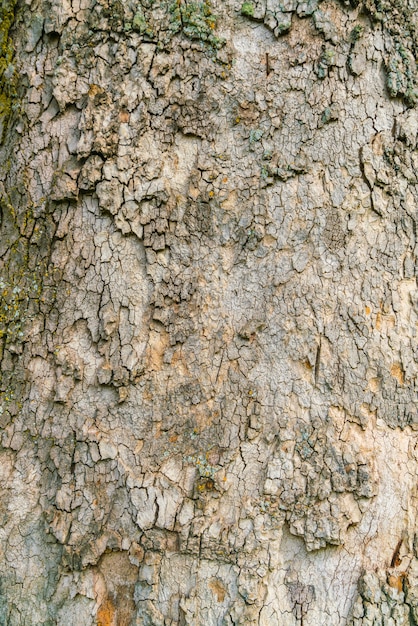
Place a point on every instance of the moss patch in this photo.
(21, 281)
(196, 21)
(398, 19)
(247, 9)
(7, 71)
(27, 291)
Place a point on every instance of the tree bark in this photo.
(208, 313)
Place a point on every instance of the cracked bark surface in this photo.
(208, 313)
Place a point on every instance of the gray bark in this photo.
(208, 313)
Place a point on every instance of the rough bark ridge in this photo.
(208, 313)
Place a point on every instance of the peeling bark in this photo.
(208, 313)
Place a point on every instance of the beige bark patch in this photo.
(218, 589)
(373, 385)
(157, 345)
(106, 614)
(119, 576)
(397, 372)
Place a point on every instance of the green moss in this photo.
(23, 297)
(7, 14)
(247, 9)
(16, 294)
(356, 33)
(255, 135)
(7, 71)
(196, 21)
(139, 24)
(326, 115)
(398, 20)
(326, 60)
(264, 172)
(22, 279)
(401, 75)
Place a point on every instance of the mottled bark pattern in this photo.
(208, 313)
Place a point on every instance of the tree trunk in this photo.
(208, 313)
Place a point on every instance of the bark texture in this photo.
(208, 313)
